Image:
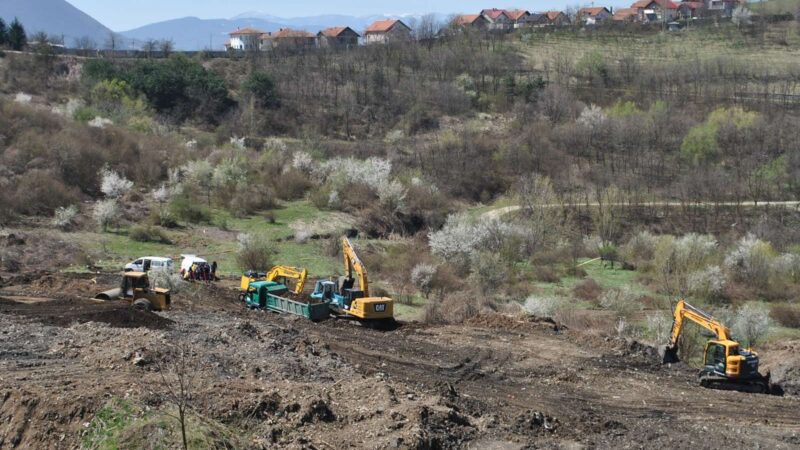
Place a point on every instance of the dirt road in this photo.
(495, 382)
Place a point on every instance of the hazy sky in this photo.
(122, 15)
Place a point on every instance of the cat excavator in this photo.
(726, 365)
(349, 302)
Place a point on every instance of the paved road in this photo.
(500, 212)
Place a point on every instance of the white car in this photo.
(149, 263)
(188, 260)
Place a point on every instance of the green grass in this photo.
(108, 423)
(122, 424)
(115, 248)
(604, 275)
(409, 311)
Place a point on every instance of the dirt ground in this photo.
(493, 383)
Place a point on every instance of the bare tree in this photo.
(112, 41)
(166, 46)
(178, 382)
(85, 44)
(149, 47)
(427, 28)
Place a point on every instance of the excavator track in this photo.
(760, 386)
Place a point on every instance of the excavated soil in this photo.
(495, 382)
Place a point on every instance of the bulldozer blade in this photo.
(112, 294)
(668, 355)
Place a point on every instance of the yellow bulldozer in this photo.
(135, 288)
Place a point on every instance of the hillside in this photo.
(529, 207)
(56, 18)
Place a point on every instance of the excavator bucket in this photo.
(668, 354)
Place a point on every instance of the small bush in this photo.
(245, 203)
(255, 253)
(292, 185)
(105, 213)
(588, 289)
(786, 315)
(751, 261)
(40, 192)
(114, 185)
(659, 326)
(148, 234)
(457, 307)
(640, 250)
(422, 277)
(85, 114)
(10, 260)
(708, 283)
(65, 217)
(752, 323)
(546, 274)
(164, 279)
(184, 208)
(542, 306)
(622, 301)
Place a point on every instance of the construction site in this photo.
(82, 372)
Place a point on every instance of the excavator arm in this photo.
(294, 273)
(686, 312)
(353, 263)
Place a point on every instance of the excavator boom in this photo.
(684, 311)
(353, 263)
(297, 274)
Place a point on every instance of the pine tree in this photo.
(16, 36)
(3, 33)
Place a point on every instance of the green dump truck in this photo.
(267, 295)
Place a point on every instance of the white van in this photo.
(148, 263)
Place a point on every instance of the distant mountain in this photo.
(56, 18)
(191, 33)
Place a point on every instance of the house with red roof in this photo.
(286, 38)
(244, 39)
(655, 10)
(473, 21)
(338, 37)
(691, 10)
(498, 19)
(519, 17)
(625, 15)
(557, 18)
(385, 31)
(594, 15)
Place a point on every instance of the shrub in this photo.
(456, 307)
(786, 315)
(751, 261)
(422, 277)
(85, 114)
(489, 271)
(372, 172)
(183, 208)
(707, 283)
(292, 185)
(10, 260)
(40, 192)
(65, 217)
(148, 234)
(262, 88)
(112, 184)
(751, 323)
(250, 200)
(254, 253)
(640, 250)
(588, 289)
(623, 301)
(164, 279)
(105, 213)
(659, 326)
(542, 306)
(546, 274)
(303, 162)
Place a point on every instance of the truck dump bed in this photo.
(267, 295)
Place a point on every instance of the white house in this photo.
(244, 39)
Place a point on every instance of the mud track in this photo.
(494, 382)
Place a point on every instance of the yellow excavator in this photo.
(347, 301)
(283, 272)
(726, 365)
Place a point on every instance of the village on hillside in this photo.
(671, 14)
